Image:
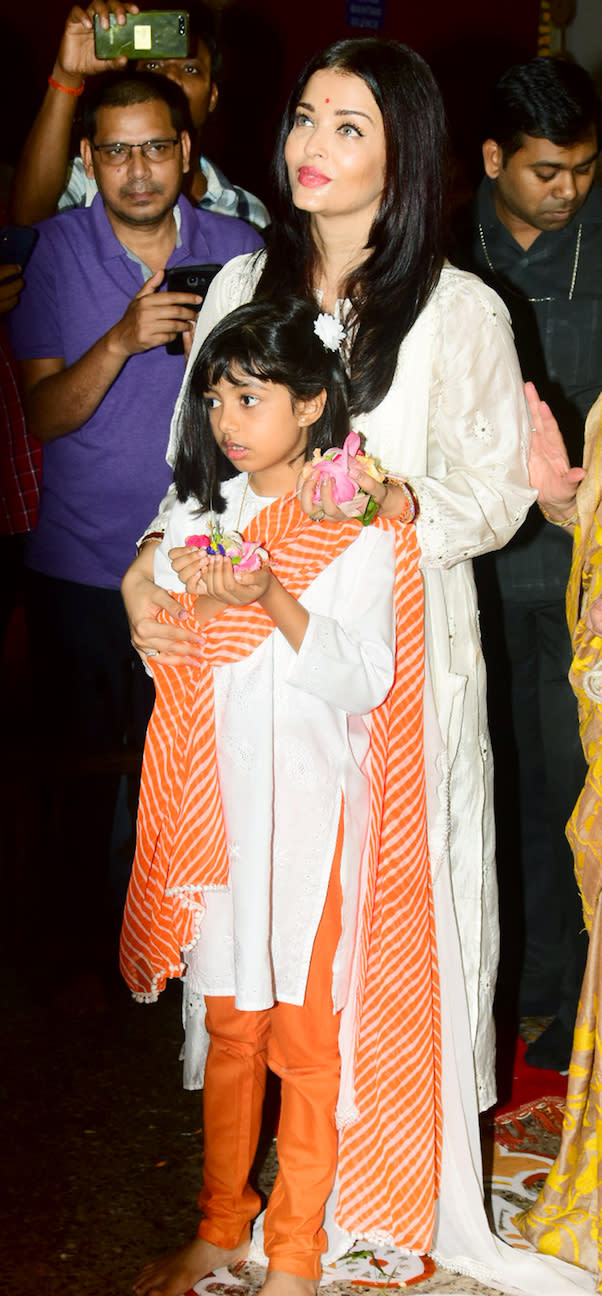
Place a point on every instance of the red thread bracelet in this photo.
(66, 89)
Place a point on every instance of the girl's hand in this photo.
(550, 472)
(190, 564)
(143, 599)
(235, 591)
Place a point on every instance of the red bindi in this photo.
(327, 101)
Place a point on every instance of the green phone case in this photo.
(158, 33)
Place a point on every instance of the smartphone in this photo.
(188, 278)
(157, 33)
(17, 243)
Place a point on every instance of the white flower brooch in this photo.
(330, 331)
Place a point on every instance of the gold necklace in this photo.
(515, 292)
(242, 504)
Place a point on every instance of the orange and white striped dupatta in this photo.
(389, 1158)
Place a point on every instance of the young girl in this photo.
(269, 863)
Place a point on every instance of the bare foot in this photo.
(279, 1283)
(174, 1274)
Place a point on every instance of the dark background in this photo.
(266, 42)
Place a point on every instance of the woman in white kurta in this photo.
(449, 417)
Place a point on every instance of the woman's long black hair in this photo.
(275, 342)
(391, 287)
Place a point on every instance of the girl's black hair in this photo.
(275, 342)
(391, 287)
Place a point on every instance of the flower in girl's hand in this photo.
(245, 555)
(334, 464)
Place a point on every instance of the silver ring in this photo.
(318, 515)
(152, 652)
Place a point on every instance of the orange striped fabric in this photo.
(389, 1159)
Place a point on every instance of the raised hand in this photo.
(550, 472)
(76, 58)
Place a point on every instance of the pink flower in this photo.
(335, 464)
(253, 557)
(198, 541)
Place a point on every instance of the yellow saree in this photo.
(565, 1219)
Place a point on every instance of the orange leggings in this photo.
(300, 1044)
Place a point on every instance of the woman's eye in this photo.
(348, 129)
(211, 402)
(301, 119)
(189, 69)
(248, 400)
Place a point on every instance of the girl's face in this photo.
(336, 151)
(261, 428)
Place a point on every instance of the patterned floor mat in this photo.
(518, 1150)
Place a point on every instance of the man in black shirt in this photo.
(534, 233)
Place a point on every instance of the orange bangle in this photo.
(66, 89)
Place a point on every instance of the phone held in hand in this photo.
(156, 33)
(17, 243)
(190, 279)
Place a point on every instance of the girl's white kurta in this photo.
(292, 742)
(454, 422)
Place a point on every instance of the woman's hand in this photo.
(143, 599)
(390, 498)
(550, 472)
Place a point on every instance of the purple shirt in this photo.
(101, 483)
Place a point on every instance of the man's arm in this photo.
(42, 168)
(58, 399)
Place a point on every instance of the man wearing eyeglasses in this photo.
(46, 176)
(99, 389)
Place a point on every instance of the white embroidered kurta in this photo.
(454, 422)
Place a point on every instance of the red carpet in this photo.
(527, 1083)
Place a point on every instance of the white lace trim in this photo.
(469, 1269)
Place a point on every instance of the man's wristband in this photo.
(56, 85)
